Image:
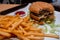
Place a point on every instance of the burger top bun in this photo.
(36, 7)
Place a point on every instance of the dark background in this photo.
(57, 7)
(25, 1)
(28, 1)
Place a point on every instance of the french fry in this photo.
(22, 29)
(26, 38)
(5, 34)
(43, 35)
(16, 24)
(5, 30)
(2, 17)
(25, 25)
(20, 36)
(10, 23)
(36, 34)
(36, 38)
(30, 23)
(35, 29)
(26, 18)
(52, 36)
(1, 37)
(17, 31)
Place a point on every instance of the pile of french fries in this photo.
(22, 28)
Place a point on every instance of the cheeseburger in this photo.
(42, 12)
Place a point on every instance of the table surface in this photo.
(7, 6)
(4, 7)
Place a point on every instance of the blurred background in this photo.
(23, 1)
(55, 3)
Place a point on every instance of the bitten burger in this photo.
(42, 12)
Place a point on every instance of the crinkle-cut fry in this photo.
(5, 30)
(16, 24)
(5, 34)
(22, 29)
(20, 36)
(13, 20)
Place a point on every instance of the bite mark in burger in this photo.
(41, 11)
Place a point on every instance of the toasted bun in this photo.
(41, 11)
(36, 7)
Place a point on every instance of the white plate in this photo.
(57, 15)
